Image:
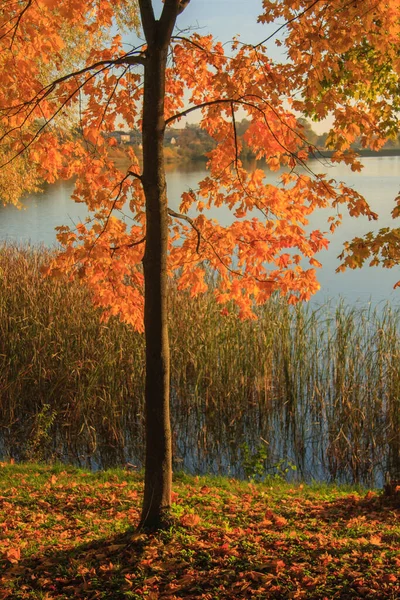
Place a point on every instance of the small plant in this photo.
(282, 468)
(254, 463)
(256, 468)
(38, 445)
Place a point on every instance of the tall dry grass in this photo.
(316, 387)
(69, 385)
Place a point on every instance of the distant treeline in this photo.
(193, 143)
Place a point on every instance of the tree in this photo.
(343, 60)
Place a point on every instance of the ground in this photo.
(68, 533)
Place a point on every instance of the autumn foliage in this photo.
(65, 88)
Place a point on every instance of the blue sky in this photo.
(225, 19)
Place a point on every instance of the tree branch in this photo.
(200, 236)
(148, 19)
(172, 8)
(172, 213)
(236, 164)
(189, 41)
(44, 92)
(119, 186)
(109, 99)
(131, 245)
(18, 22)
(199, 106)
(39, 131)
(243, 102)
(235, 137)
(133, 174)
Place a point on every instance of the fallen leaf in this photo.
(190, 520)
(375, 540)
(13, 555)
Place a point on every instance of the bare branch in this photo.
(168, 18)
(172, 213)
(186, 112)
(148, 19)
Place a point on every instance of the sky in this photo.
(225, 19)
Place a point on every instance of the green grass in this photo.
(317, 388)
(67, 532)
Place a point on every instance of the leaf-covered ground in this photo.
(70, 533)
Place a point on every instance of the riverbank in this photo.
(67, 533)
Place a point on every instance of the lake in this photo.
(378, 182)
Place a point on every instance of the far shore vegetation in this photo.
(192, 143)
(305, 392)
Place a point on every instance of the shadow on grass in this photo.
(342, 510)
(98, 569)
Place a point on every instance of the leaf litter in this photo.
(68, 533)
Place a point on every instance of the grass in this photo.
(67, 532)
(317, 388)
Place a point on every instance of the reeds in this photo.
(70, 386)
(318, 387)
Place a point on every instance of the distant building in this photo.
(125, 138)
(173, 141)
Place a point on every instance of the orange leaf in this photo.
(375, 540)
(389, 578)
(280, 521)
(13, 555)
(279, 565)
(190, 520)
(174, 496)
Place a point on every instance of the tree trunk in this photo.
(158, 463)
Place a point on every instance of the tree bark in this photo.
(158, 462)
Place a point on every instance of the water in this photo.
(378, 182)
